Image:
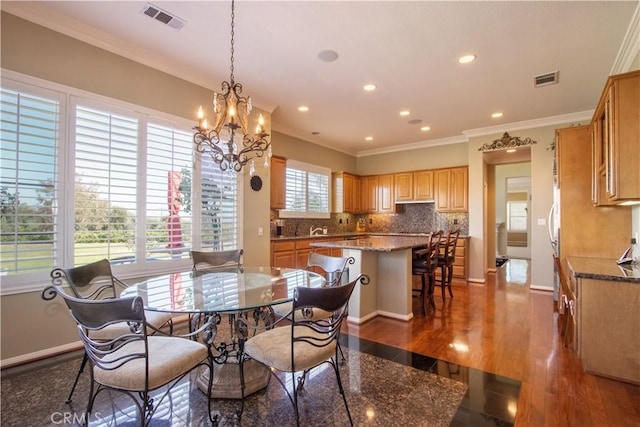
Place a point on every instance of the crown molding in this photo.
(530, 124)
(630, 46)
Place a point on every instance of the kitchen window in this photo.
(516, 216)
(111, 182)
(308, 191)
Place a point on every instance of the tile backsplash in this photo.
(409, 218)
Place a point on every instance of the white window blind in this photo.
(219, 207)
(85, 178)
(517, 216)
(169, 177)
(308, 191)
(106, 153)
(29, 134)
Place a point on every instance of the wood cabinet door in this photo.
(386, 202)
(441, 180)
(347, 193)
(423, 185)
(370, 193)
(357, 194)
(403, 187)
(278, 183)
(459, 189)
(284, 259)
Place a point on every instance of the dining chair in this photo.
(424, 264)
(332, 268)
(308, 342)
(95, 281)
(446, 258)
(568, 306)
(204, 260)
(133, 361)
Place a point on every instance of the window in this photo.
(516, 216)
(308, 191)
(113, 182)
(29, 176)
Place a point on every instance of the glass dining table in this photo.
(225, 292)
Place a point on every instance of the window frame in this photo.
(308, 168)
(68, 97)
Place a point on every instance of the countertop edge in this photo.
(594, 274)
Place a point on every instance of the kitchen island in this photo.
(387, 261)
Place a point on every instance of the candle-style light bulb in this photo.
(260, 127)
(204, 124)
(200, 116)
(232, 113)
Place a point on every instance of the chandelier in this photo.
(232, 111)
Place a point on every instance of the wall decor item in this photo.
(256, 183)
(507, 141)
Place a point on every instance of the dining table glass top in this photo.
(222, 290)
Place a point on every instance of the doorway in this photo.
(507, 205)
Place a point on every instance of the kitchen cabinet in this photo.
(579, 219)
(386, 202)
(283, 254)
(423, 186)
(346, 193)
(278, 183)
(377, 194)
(370, 194)
(403, 187)
(616, 141)
(294, 253)
(414, 186)
(451, 187)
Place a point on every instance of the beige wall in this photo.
(440, 156)
(290, 147)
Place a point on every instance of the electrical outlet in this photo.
(340, 221)
(455, 221)
(260, 231)
(370, 220)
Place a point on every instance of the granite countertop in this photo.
(376, 243)
(354, 234)
(603, 269)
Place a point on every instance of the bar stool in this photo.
(446, 258)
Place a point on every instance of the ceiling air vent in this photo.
(545, 79)
(163, 16)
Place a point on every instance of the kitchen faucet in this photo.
(313, 231)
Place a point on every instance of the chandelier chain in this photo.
(233, 14)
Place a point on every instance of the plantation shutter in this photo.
(169, 171)
(29, 135)
(106, 157)
(307, 191)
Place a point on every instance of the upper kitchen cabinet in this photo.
(346, 193)
(378, 194)
(413, 186)
(278, 183)
(616, 141)
(451, 187)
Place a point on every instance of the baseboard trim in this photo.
(41, 354)
(471, 279)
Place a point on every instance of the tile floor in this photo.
(385, 386)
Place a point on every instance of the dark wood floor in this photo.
(505, 328)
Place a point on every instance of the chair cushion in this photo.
(155, 318)
(273, 348)
(169, 357)
(284, 310)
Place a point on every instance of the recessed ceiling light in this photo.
(496, 115)
(370, 87)
(303, 108)
(511, 150)
(405, 113)
(368, 138)
(328, 55)
(466, 59)
(425, 128)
